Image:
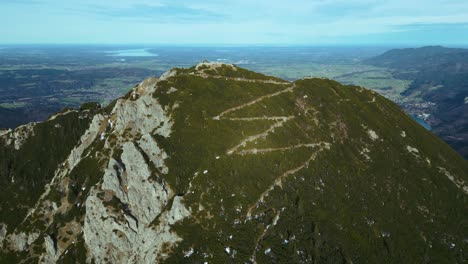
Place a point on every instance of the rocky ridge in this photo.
(216, 163)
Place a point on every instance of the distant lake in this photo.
(422, 122)
(131, 53)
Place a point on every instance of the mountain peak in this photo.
(213, 65)
(216, 163)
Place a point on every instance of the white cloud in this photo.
(241, 21)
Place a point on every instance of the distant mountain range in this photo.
(218, 164)
(440, 85)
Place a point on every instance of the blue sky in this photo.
(274, 22)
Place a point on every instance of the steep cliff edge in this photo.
(216, 163)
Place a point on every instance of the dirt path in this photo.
(266, 150)
(204, 75)
(279, 180)
(254, 101)
(261, 135)
(280, 120)
(273, 118)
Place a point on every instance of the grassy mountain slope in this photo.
(216, 163)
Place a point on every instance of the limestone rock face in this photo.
(218, 164)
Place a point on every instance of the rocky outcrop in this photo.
(131, 183)
(51, 254)
(18, 136)
(21, 241)
(124, 237)
(156, 155)
(120, 226)
(4, 132)
(88, 137)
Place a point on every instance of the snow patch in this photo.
(412, 150)
(372, 135)
(428, 161)
(385, 234)
(364, 152)
(188, 253)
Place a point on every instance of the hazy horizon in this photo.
(220, 45)
(241, 22)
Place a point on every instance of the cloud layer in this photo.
(301, 22)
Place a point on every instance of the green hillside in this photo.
(218, 164)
